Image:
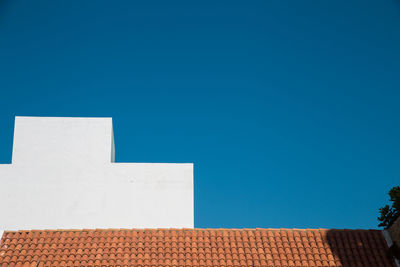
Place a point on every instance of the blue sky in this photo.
(288, 109)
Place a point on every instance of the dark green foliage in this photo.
(390, 214)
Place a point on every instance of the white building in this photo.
(63, 176)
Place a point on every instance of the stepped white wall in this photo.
(63, 176)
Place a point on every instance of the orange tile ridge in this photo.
(184, 229)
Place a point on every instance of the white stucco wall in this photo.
(63, 176)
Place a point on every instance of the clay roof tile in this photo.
(194, 247)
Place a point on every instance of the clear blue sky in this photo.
(288, 109)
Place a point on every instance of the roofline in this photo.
(188, 229)
(60, 117)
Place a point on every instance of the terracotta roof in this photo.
(194, 247)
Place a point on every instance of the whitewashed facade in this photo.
(63, 176)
